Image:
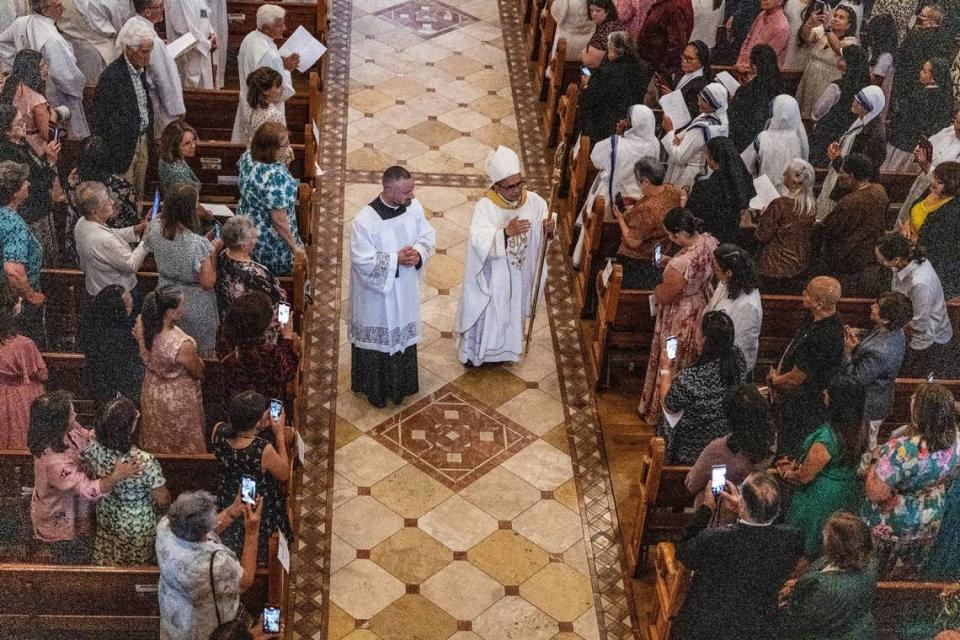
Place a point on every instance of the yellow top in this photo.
(920, 211)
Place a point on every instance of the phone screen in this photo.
(56, 134)
(155, 209)
(618, 200)
(585, 71)
(718, 478)
(216, 230)
(276, 408)
(283, 313)
(672, 347)
(271, 619)
(248, 490)
(930, 377)
(657, 254)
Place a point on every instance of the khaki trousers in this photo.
(137, 171)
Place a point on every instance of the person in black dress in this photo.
(750, 106)
(719, 198)
(241, 451)
(619, 83)
(112, 362)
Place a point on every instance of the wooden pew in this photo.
(576, 192)
(897, 185)
(893, 600)
(534, 9)
(660, 512)
(547, 33)
(600, 238)
(242, 18)
(208, 111)
(566, 120)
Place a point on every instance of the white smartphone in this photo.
(155, 209)
(248, 490)
(283, 313)
(585, 71)
(672, 347)
(276, 408)
(271, 619)
(657, 254)
(718, 478)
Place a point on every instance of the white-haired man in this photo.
(123, 110)
(196, 64)
(166, 90)
(508, 226)
(38, 31)
(258, 49)
(91, 27)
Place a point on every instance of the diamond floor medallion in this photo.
(426, 18)
(452, 436)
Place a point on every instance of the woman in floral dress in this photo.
(127, 516)
(268, 194)
(685, 291)
(171, 401)
(237, 272)
(907, 485)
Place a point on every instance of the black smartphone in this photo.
(271, 619)
(618, 200)
(248, 490)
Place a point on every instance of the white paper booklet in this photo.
(675, 108)
(182, 44)
(766, 193)
(309, 48)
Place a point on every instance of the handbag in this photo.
(242, 613)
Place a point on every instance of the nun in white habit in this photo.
(783, 140)
(867, 104)
(685, 147)
(508, 226)
(620, 152)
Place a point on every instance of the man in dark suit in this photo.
(123, 111)
(738, 569)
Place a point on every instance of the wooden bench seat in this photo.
(242, 18)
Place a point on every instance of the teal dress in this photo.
(831, 605)
(836, 487)
(265, 187)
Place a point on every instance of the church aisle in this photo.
(481, 507)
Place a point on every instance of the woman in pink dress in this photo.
(24, 89)
(22, 372)
(171, 403)
(686, 288)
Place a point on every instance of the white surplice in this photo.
(221, 26)
(91, 27)
(257, 50)
(192, 16)
(163, 79)
(498, 281)
(385, 299)
(65, 82)
(10, 10)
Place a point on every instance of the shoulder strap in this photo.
(213, 590)
(613, 166)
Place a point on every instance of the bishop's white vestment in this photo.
(498, 280)
(192, 16)
(257, 50)
(65, 82)
(384, 323)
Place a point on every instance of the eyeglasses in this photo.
(690, 58)
(515, 185)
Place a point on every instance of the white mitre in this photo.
(501, 164)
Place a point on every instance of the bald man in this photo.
(812, 359)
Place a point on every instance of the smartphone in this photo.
(248, 490)
(657, 254)
(216, 230)
(283, 313)
(618, 200)
(718, 478)
(930, 377)
(271, 619)
(585, 71)
(155, 209)
(276, 408)
(56, 134)
(672, 347)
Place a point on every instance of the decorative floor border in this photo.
(310, 579)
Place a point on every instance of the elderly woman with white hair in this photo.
(200, 578)
(237, 272)
(685, 157)
(259, 49)
(784, 139)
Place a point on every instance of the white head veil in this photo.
(872, 99)
(785, 116)
(643, 124)
(501, 164)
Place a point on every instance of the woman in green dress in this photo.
(833, 599)
(127, 516)
(825, 477)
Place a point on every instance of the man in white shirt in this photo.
(196, 64)
(258, 49)
(91, 27)
(104, 253)
(38, 31)
(163, 79)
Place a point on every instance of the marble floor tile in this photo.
(559, 591)
(362, 589)
(401, 146)
(460, 66)
(341, 553)
(537, 364)
(409, 492)
(431, 104)
(440, 312)
(400, 116)
(457, 524)
(550, 525)
(343, 490)
(559, 439)
(535, 410)
(370, 74)
(508, 557)
(449, 233)
(541, 465)
(465, 149)
(491, 385)
(364, 522)
(441, 358)
(413, 617)
(576, 557)
(463, 119)
(340, 623)
(444, 272)
(513, 618)
(462, 590)
(501, 494)
(365, 462)
(411, 555)
(433, 133)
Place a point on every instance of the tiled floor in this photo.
(481, 507)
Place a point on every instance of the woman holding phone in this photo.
(241, 454)
(237, 272)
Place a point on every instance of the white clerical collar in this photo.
(687, 77)
(754, 524)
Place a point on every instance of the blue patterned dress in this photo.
(18, 244)
(265, 187)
